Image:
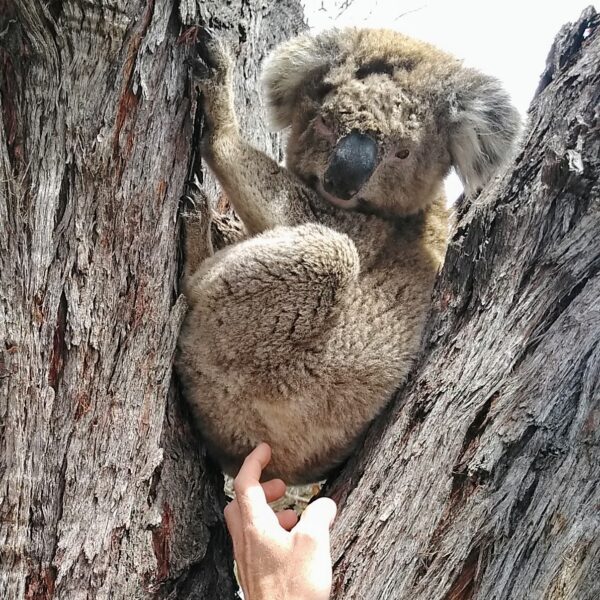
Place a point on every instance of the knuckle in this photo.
(228, 512)
(238, 486)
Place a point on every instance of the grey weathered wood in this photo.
(483, 479)
(104, 489)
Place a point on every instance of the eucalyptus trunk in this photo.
(482, 481)
(105, 490)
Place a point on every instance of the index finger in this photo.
(254, 464)
(248, 491)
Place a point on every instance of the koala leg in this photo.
(197, 220)
(263, 193)
(261, 303)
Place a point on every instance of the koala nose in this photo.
(351, 164)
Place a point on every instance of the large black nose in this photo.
(351, 164)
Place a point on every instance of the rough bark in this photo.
(105, 491)
(482, 481)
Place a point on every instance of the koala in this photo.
(299, 334)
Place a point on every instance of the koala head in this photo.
(377, 119)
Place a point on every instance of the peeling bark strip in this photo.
(483, 481)
(104, 489)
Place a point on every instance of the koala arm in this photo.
(263, 193)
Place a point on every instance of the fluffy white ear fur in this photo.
(291, 65)
(484, 128)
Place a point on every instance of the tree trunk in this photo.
(483, 479)
(105, 491)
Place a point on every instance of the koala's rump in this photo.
(314, 403)
(311, 425)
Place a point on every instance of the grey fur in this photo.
(299, 335)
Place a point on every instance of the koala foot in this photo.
(197, 218)
(194, 203)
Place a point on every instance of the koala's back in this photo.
(312, 400)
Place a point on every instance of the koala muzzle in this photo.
(352, 162)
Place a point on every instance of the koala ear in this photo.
(289, 68)
(484, 126)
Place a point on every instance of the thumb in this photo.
(317, 518)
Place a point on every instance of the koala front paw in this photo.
(211, 69)
(210, 60)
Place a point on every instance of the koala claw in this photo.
(207, 32)
(199, 68)
(194, 201)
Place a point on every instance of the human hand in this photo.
(278, 558)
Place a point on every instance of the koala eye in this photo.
(402, 154)
(375, 67)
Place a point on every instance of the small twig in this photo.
(408, 12)
(345, 5)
